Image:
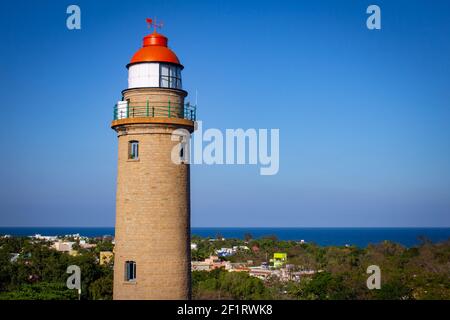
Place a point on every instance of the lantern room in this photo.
(154, 85)
(154, 65)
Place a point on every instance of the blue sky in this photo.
(363, 115)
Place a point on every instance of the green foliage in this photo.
(394, 290)
(420, 272)
(101, 289)
(232, 285)
(40, 291)
(40, 272)
(104, 245)
(324, 286)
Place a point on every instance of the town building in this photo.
(226, 252)
(86, 245)
(279, 259)
(45, 238)
(211, 263)
(65, 246)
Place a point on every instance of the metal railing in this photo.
(159, 110)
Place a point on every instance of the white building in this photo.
(63, 246)
(46, 238)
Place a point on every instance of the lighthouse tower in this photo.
(152, 235)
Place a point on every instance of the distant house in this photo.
(46, 238)
(200, 266)
(238, 267)
(85, 245)
(279, 259)
(296, 276)
(260, 272)
(225, 252)
(211, 263)
(63, 246)
(194, 246)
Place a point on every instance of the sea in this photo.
(360, 237)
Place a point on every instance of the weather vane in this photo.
(152, 23)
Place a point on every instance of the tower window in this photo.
(130, 270)
(182, 152)
(133, 150)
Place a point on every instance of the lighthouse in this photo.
(152, 234)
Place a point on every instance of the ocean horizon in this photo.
(332, 236)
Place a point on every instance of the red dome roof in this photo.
(155, 50)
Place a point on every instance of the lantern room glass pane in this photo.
(170, 76)
(173, 71)
(164, 70)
